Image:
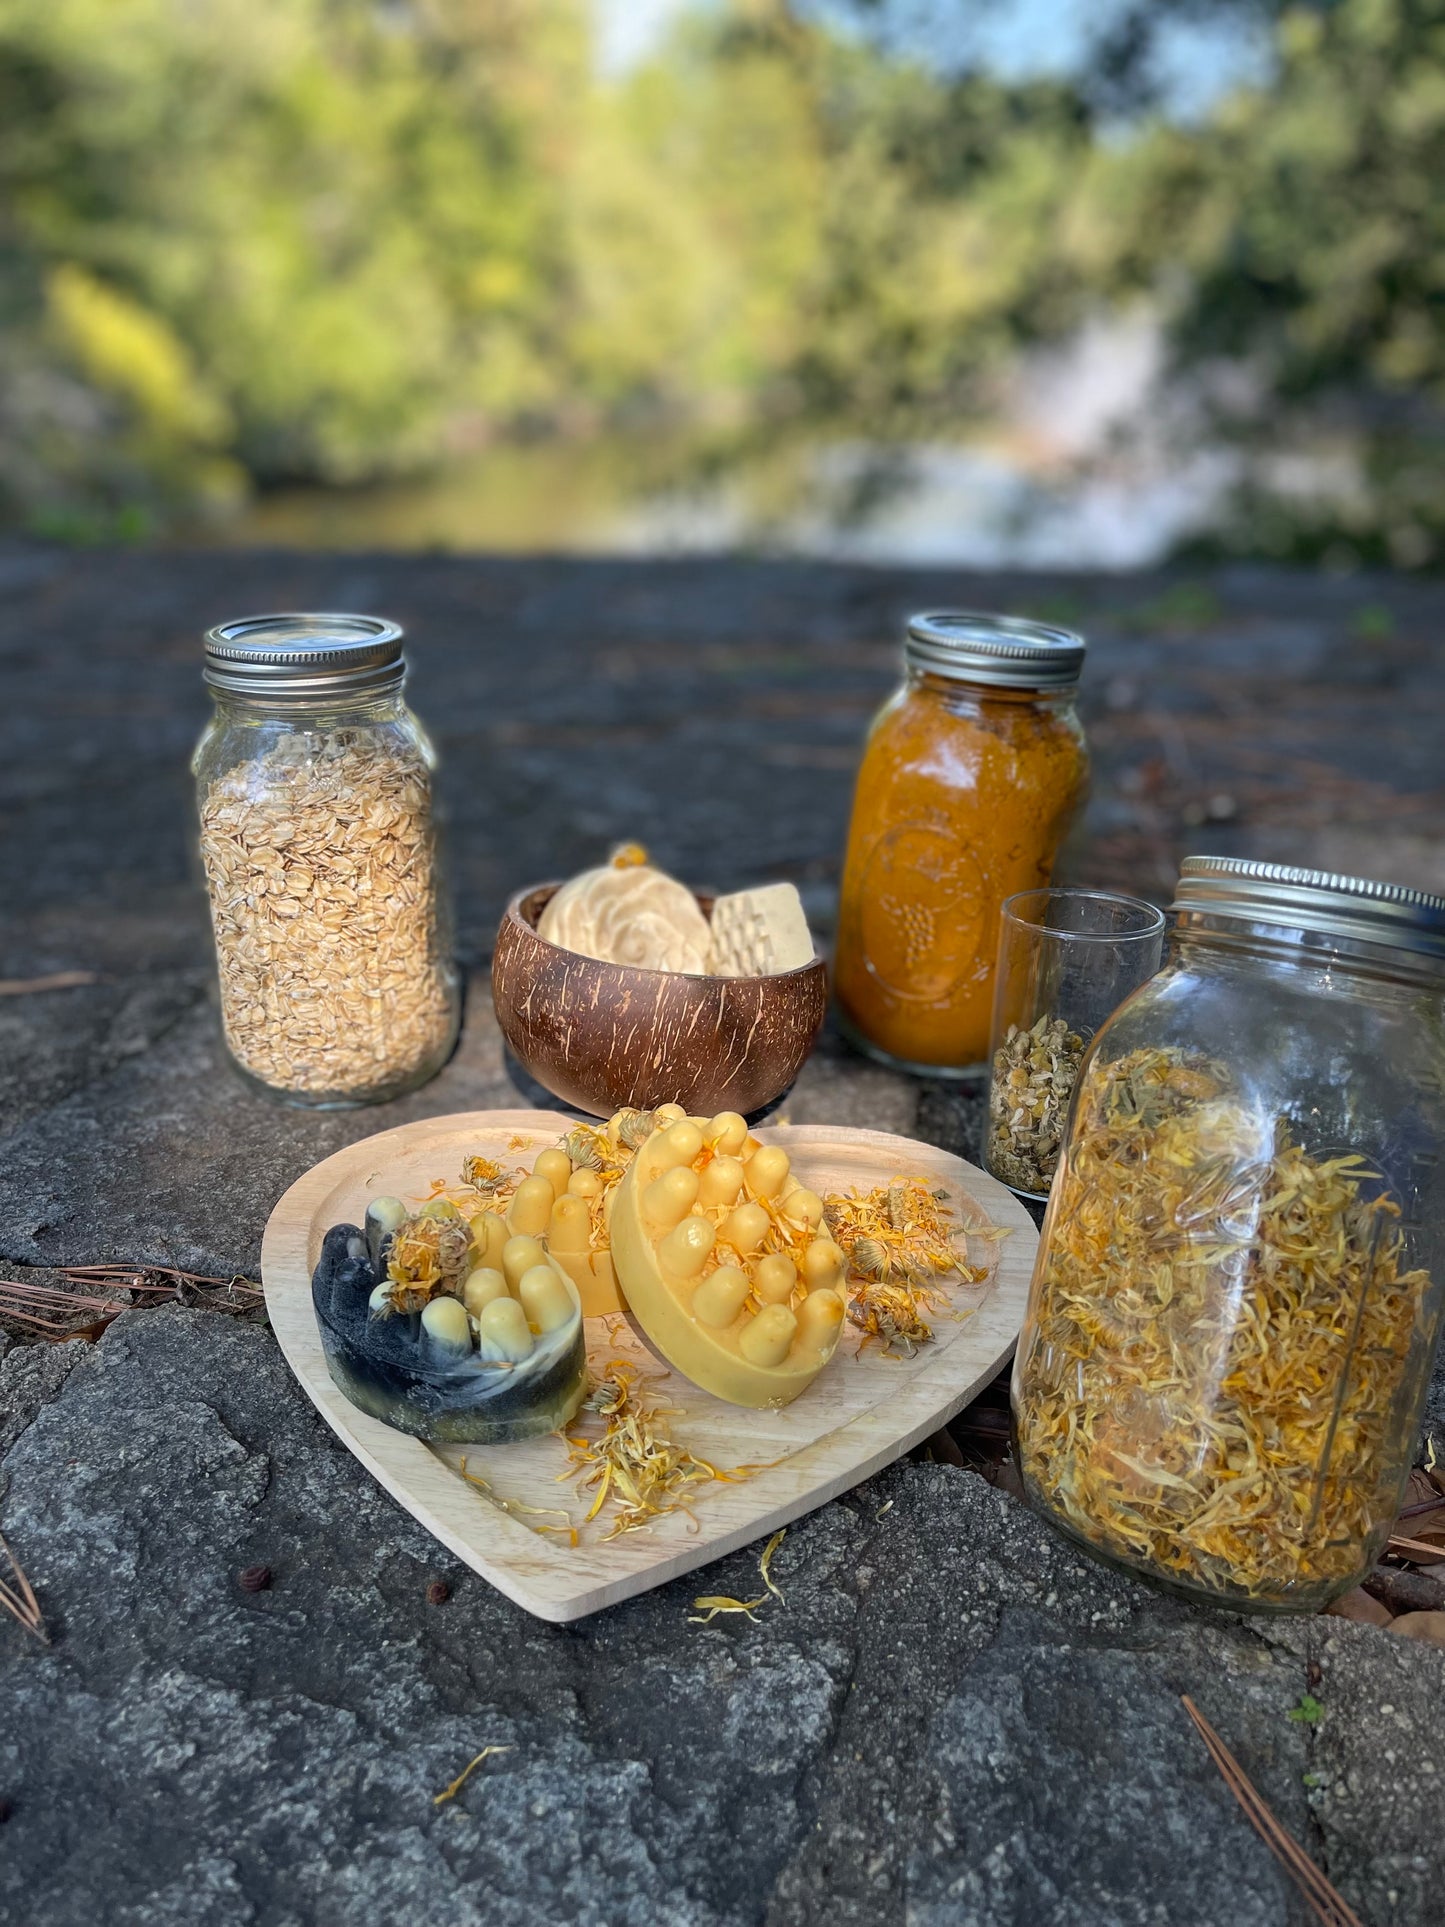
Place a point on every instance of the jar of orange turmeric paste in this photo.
(972, 774)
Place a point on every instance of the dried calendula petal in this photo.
(1222, 1333)
(634, 1465)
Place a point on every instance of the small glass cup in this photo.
(1067, 958)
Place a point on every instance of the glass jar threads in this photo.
(1238, 1289)
(972, 774)
(319, 844)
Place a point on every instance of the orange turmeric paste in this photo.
(964, 796)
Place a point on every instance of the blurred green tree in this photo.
(275, 238)
(1300, 235)
(331, 240)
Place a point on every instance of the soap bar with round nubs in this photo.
(503, 1358)
(554, 1205)
(737, 1290)
(626, 912)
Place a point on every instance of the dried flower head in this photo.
(585, 1147)
(1034, 1073)
(634, 1128)
(901, 1246)
(483, 1174)
(428, 1255)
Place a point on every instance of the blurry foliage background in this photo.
(253, 242)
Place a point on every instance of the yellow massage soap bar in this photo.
(721, 1256)
(565, 1203)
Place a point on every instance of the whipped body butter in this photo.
(626, 912)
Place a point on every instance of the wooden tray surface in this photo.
(865, 1409)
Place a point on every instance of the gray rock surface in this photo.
(953, 1718)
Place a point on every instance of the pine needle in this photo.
(1325, 1901)
(17, 1596)
(52, 1313)
(451, 1792)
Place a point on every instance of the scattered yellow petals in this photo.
(766, 1562)
(522, 1512)
(711, 1604)
(706, 1609)
(451, 1792)
(644, 1473)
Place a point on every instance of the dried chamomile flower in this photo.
(1034, 1073)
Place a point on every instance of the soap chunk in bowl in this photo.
(602, 1036)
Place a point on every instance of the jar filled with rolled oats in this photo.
(319, 842)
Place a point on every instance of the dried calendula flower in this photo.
(427, 1255)
(483, 1174)
(634, 1128)
(1034, 1073)
(1223, 1332)
(900, 1244)
(586, 1147)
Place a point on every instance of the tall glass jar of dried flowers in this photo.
(1239, 1283)
(319, 843)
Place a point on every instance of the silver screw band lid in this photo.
(1003, 651)
(304, 655)
(1339, 906)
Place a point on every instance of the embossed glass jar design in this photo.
(319, 843)
(972, 775)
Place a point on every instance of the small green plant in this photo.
(1308, 1712)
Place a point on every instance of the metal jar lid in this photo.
(304, 655)
(1005, 651)
(1337, 906)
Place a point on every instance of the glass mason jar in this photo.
(1237, 1295)
(972, 774)
(319, 843)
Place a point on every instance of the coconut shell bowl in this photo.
(601, 1035)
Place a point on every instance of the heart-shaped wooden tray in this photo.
(864, 1410)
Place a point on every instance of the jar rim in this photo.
(1354, 909)
(1009, 652)
(1024, 908)
(321, 654)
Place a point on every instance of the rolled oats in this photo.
(320, 857)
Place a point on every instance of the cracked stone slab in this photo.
(184, 1162)
(952, 1717)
